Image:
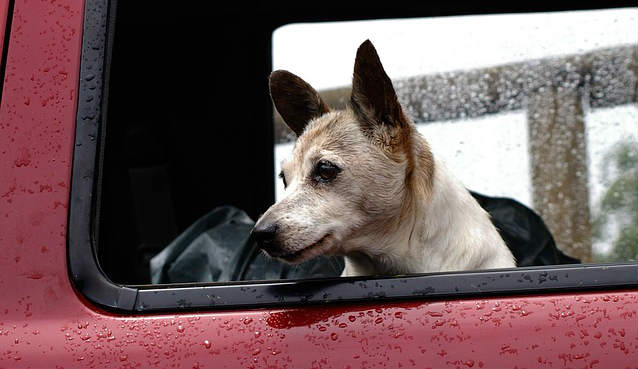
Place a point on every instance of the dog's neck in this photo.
(441, 228)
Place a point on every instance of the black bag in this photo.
(524, 232)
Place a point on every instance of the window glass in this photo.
(559, 135)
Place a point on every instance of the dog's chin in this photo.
(322, 247)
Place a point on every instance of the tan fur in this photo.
(392, 209)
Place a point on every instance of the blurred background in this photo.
(538, 107)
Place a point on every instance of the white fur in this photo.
(447, 233)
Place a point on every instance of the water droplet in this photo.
(207, 344)
(180, 328)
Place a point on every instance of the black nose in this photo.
(265, 234)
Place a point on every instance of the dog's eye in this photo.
(325, 171)
(283, 178)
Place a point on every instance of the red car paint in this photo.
(45, 323)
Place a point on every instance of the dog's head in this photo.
(350, 175)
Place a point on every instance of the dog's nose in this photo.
(265, 234)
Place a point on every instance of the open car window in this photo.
(174, 155)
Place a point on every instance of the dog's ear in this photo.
(296, 101)
(373, 98)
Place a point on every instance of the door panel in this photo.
(44, 322)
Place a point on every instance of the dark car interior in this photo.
(189, 120)
(186, 130)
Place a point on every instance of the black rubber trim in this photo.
(84, 268)
(90, 280)
(545, 279)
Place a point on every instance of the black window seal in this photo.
(89, 279)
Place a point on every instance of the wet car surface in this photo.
(45, 321)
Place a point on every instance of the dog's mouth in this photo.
(316, 249)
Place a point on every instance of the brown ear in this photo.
(373, 98)
(296, 101)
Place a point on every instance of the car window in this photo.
(174, 157)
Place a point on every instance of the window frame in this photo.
(90, 280)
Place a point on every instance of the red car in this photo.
(179, 85)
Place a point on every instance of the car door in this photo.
(62, 308)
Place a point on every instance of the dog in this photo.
(363, 183)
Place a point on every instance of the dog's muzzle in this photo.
(265, 235)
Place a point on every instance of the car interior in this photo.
(186, 104)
